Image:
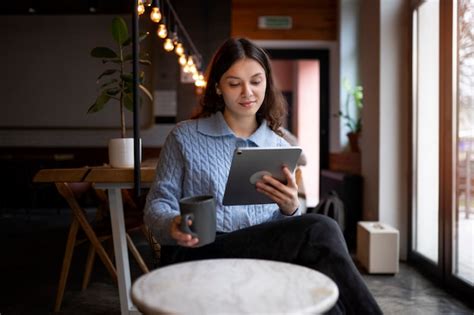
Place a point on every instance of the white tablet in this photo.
(249, 165)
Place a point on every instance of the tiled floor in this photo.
(32, 246)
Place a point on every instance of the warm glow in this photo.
(182, 60)
(155, 15)
(190, 61)
(162, 32)
(186, 69)
(193, 69)
(140, 8)
(179, 50)
(168, 45)
(200, 82)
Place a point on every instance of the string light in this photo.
(190, 63)
(200, 82)
(162, 31)
(168, 44)
(179, 49)
(182, 60)
(140, 7)
(155, 15)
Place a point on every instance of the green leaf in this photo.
(116, 61)
(109, 83)
(141, 37)
(347, 86)
(99, 104)
(119, 30)
(112, 91)
(128, 101)
(103, 52)
(107, 72)
(127, 77)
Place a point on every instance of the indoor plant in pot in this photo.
(352, 120)
(116, 84)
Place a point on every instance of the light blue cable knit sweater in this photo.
(195, 160)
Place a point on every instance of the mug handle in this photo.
(184, 227)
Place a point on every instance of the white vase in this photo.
(121, 152)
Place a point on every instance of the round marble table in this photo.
(239, 286)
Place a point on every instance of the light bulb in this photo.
(182, 60)
(195, 76)
(190, 61)
(179, 50)
(155, 15)
(200, 82)
(193, 69)
(162, 32)
(168, 45)
(140, 8)
(186, 69)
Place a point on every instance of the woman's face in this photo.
(243, 88)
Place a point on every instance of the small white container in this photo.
(121, 152)
(378, 247)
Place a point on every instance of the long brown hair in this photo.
(274, 106)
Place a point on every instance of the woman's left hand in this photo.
(286, 196)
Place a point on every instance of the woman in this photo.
(242, 107)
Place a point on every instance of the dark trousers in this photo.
(310, 240)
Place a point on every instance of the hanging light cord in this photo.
(188, 38)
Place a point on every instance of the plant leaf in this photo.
(109, 83)
(119, 30)
(103, 52)
(117, 61)
(127, 77)
(112, 91)
(107, 72)
(145, 62)
(99, 104)
(128, 101)
(146, 92)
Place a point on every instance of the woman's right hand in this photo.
(183, 239)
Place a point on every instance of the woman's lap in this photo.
(310, 240)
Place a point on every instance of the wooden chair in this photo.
(71, 192)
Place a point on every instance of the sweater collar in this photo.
(216, 126)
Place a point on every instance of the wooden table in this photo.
(239, 286)
(114, 180)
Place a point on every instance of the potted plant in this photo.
(116, 84)
(353, 123)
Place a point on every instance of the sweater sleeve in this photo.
(162, 203)
(278, 215)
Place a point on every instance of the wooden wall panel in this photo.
(312, 19)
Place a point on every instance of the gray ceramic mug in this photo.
(201, 210)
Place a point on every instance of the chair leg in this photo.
(137, 255)
(71, 239)
(89, 265)
(98, 247)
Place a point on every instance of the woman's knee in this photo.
(321, 221)
(323, 227)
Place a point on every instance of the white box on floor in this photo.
(377, 247)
